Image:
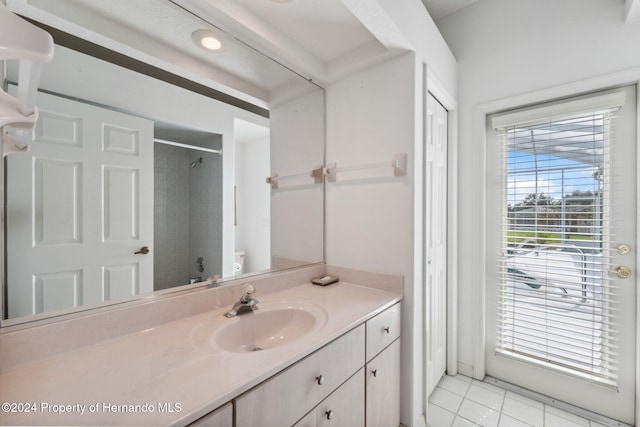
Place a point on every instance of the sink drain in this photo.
(256, 349)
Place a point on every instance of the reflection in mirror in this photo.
(187, 206)
(134, 184)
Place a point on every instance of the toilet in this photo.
(238, 262)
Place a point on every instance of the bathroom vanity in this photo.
(330, 383)
(310, 356)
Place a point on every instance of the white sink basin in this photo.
(272, 325)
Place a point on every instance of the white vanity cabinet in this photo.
(320, 375)
(383, 369)
(221, 417)
(289, 395)
(375, 391)
(351, 382)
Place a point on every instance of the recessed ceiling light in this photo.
(211, 43)
(208, 40)
(282, 1)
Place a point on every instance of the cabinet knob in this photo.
(374, 372)
(387, 329)
(320, 379)
(329, 414)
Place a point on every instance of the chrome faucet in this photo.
(246, 303)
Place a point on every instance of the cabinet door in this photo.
(308, 421)
(221, 417)
(383, 388)
(382, 330)
(345, 406)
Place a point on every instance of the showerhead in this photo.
(195, 163)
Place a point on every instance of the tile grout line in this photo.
(504, 398)
(500, 410)
(549, 402)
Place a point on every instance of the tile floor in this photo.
(460, 401)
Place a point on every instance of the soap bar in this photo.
(324, 280)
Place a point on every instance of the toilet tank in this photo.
(238, 262)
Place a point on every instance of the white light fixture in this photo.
(208, 40)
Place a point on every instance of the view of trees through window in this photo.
(545, 218)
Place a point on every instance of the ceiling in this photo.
(303, 20)
(322, 41)
(441, 8)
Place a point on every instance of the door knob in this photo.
(622, 272)
(143, 250)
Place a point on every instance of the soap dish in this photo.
(324, 280)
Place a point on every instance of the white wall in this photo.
(253, 195)
(413, 20)
(297, 135)
(507, 48)
(369, 222)
(376, 224)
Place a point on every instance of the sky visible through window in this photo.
(555, 177)
(555, 159)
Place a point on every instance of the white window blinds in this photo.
(555, 302)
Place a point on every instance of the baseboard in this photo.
(465, 369)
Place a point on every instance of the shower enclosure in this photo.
(187, 208)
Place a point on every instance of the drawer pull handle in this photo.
(374, 372)
(387, 329)
(320, 379)
(329, 414)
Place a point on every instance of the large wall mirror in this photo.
(148, 173)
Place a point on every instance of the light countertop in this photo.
(172, 374)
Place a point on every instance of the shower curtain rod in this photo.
(193, 147)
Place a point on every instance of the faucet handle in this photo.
(247, 290)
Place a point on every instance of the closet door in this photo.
(436, 241)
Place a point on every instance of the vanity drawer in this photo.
(343, 408)
(285, 398)
(382, 330)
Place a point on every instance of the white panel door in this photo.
(436, 241)
(79, 205)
